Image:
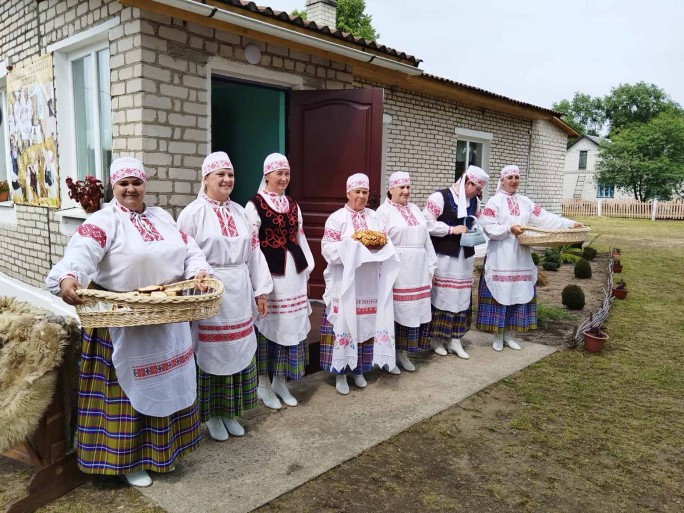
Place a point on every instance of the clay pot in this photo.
(617, 268)
(593, 343)
(4, 195)
(619, 293)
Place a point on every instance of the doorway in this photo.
(248, 123)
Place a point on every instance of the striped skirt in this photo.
(226, 396)
(364, 350)
(412, 339)
(493, 317)
(113, 438)
(448, 325)
(277, 360)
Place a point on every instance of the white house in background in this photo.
(580, 169)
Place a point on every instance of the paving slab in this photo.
(284, 449)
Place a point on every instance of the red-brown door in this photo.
(332, 134)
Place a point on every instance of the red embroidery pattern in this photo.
(93, 232)
(407, 214)
(477, 181)
(184, 236)
(287, 305)
(275, 165)
(488, 212)
(159, 368)
(331, 235)
(413, 294)
(357, 184)
(358, 219)
(363, 306)
(224, 327)
(218, 164)
(368, 310)
(225, 219)
(449, 283)
(434, 209)
(399, 182)
(536, 210)
(145, 227)
(125, 172)
(513, 206)
(226, 337)
(255, 239)
(279, 200)
(286, 223)
(511, 279)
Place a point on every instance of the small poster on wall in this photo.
(32, 126)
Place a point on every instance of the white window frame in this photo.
(8, 215)
(601, 191)
(66, 52)
(480, 137)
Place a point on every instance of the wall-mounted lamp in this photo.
(9, 66)
(252, 53)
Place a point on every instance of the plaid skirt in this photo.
(277, 360)
(226, 396)
(364, 350)
(412, 339)
(448, 325)
(112, 438)
(493, 317)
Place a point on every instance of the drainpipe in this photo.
(289, 35)
(529, 157)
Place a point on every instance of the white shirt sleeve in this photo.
(433, 209)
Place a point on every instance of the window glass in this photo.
(83, 117)
(582, 160)
(468, 153)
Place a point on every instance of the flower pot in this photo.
(619, 293)
(617, 268)
(4, 195)
(593, 343)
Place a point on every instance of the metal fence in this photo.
(624, 208)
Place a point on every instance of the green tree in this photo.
(583, 113)
(646, 159)
(352, 18)
(637, 103)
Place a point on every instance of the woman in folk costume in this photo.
(507, 293)
(225, 345)
(357, 328)
(403, 222)
(282, 335)
(446, 213)
(137, 389)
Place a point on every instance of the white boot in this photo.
(341, 384)
(454, 346)
(438, 347)
(233, 426)
(265, 393)
(498, 342)
(395, 370)
(280, 388)
(405, 362)
(509, 339)
(217, 430)
(360, 381)
(141, 479)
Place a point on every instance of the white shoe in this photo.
(512, 344)
(454, 346)
(395, 370)
(498, 343)
(405, 362)
(233, 426)
(438, 347)
(341, 384)
(265, 393)
(280, 389)
(217, 430)
(141, 479)
(360, 381)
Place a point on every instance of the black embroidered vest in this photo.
(451, 244)
(278, 235)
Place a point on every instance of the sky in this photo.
(536, 51)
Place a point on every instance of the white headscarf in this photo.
(507, 171)
(479, 178)
(273, 162)
(399, 178)
(358, 181)
(213, 162)
(123, 167)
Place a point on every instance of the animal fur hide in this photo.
(33, 344)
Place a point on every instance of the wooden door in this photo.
(332, 134)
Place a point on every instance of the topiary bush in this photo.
(573, 297)
(552, 260)
(535, 258)
(583, 269)
(589, 253)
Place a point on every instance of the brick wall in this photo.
(19, 34)
(545, 180)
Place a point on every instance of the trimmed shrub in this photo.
(552, 260)
(573, 297)
(535, 258)
(551, 266)
(589, 253)
(583, 269)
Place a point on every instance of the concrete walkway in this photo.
(282, 450)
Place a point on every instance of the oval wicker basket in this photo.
(550, 238)
(117, 309)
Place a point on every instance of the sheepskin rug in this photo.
(33, 345)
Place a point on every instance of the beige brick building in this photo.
(150, 79)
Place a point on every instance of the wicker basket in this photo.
(549, 238)
(117, 309)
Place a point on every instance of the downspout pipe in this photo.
(529, 157)
(290, 35)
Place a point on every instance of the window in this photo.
(472, 149)
(5, 161)
(582, 160)
(92, 114)
(605, 191)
